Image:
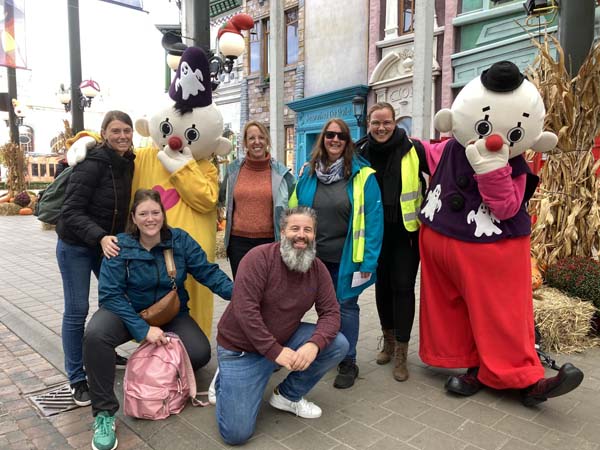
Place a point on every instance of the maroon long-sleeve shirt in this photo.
(269, 301)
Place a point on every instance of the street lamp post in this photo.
(231, 45)
(19, 111)
(576, 32)
(75, 55)
(358, 109)
(12, 117)
(88, 90)
(196, 23)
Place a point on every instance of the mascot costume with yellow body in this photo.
(187, 133)
(476, 297)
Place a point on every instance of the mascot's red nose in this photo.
(494, 143)
(175, 143)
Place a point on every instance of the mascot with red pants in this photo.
(476, 298)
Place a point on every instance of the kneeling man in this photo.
(261, 329)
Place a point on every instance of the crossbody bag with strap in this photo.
(165, 309)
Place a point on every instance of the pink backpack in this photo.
(159, 380)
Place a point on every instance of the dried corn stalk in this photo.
(15, 161)
(566, 204)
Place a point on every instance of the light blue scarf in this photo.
(331, 174)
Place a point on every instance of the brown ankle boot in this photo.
(386, 353)
(400, 370)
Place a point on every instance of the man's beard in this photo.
(298, 259)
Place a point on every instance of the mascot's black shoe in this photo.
(567, 379)
(465, 384)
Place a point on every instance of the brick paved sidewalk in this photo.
(25, 372)
(377, 413)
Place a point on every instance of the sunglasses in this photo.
(340, 135)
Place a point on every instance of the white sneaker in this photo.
(302, 408)
(212, 393)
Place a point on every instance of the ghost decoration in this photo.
(189, 81)
(433, 203)
(484, 221)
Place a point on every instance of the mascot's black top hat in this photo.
(503, 76)
(191, 86)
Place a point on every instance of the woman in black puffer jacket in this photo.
(95, 209)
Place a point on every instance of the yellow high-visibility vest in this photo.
(411, 196)
(358, 214)
(293, 202)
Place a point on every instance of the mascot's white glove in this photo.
(483, 160)
(173, 160)
(79, 148)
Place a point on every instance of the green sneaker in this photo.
(105, 437)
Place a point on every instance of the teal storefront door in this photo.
(313, 112)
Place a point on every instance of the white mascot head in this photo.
(193, 124)
(501, 108)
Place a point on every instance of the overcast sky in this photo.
(120, 49)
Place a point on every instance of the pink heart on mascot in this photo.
(169, 197)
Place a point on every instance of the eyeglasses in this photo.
(340, 135)
(385, 123)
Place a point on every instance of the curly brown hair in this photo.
(319, 153)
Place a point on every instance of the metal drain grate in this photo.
(55, 401)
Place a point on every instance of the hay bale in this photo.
(564, 322)
(220, 247)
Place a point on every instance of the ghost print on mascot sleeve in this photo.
(432, 203)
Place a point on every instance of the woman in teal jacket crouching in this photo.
(341, 187)
(130, 283)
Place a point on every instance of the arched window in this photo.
(26, 138)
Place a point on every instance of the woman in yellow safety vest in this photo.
(399, 164)
(341, 187)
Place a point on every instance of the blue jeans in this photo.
(349, 312)
(243, 377)
(76, 265)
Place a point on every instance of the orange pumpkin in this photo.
(25, 212)
(536, 275)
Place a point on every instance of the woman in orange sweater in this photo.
(256, 189)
